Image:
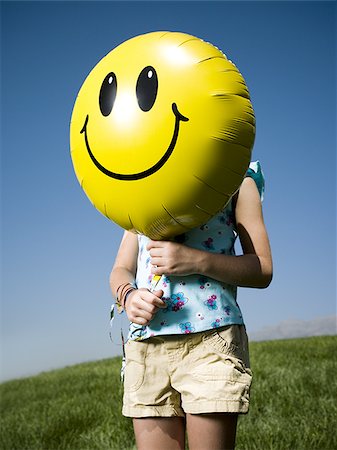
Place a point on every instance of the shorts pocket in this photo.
(231, 344)
(135, 354)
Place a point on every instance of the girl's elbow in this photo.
(266, 274)
(266, 280)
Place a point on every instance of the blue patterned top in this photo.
(195, 302)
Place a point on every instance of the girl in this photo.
(187, 363)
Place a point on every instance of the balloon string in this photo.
(112, 318)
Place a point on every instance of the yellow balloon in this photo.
(161, 133)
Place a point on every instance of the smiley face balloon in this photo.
(161, 133)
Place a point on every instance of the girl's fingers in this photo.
(154, 301)
(156, 252)
(140, 320)
(156, 261)
(160, 303)
(159, 270)
(151, 245)
(145, 306)
(155, 245)
(144, 314)
(158, 293)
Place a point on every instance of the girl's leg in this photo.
(214, 431)
(164, 433)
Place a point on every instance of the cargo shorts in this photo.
(197, 373)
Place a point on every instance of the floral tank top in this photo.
(195, 303)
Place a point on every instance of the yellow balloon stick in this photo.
(154, 282)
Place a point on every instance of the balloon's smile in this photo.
(137, 176)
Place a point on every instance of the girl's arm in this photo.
(141, 304)
(252, 269)
(125, 266)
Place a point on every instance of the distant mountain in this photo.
(293, 328)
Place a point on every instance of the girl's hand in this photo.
(171, 258)
(141, 305)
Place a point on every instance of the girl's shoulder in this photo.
(255, 172)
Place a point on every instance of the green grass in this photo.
(293, 403)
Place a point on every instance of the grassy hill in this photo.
(293, 403)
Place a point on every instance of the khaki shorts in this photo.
(197, 373)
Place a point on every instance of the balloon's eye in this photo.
(147, 87)
(107, 94)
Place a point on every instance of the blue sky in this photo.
(57, 250)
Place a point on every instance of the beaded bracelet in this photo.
(119, 306)
(126, 296)
(122, 292)
(121, 286)
(125, 290)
